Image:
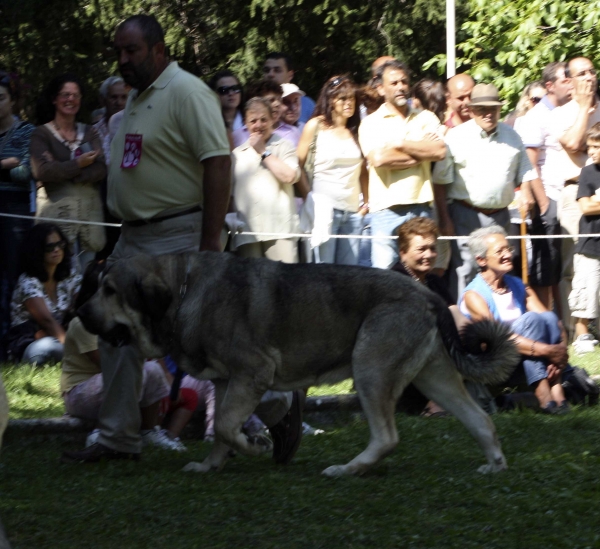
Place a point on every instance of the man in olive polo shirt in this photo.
(169, 181)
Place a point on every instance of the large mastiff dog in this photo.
(254, 324)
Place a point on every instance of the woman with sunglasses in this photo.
(538, 334)
(16, 195)
(339, 173)
(67, 158)
(44, 292)
(530, 96)
(230, 92)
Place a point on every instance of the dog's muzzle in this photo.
(118, 336)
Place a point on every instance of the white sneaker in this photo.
(92, 438)
(158, 437)
(310, 430)
(585, 343)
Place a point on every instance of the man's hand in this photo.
(526, 199)
(257, 142)
(584, 93)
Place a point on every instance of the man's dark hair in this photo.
(549, 74)
(32, 253)
(263, 87)
(281, 55)
(395, 65)
(150, 27)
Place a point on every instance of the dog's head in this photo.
(131, 301)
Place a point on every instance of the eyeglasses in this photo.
(506, 249)
(51, 246)
(591, 72)
(224, 90)
(535, 100)
(67, 95)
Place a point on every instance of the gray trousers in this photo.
(463, 267)
(119, 418)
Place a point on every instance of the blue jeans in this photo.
(541, 327)
(384, 252)
(342, 251)
(42, 351)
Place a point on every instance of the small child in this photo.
(583, 299)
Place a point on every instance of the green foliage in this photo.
(508, 42)
(43, 38)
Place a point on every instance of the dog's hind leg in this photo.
(440, 381)
(381, 372)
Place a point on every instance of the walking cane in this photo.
(524, 263)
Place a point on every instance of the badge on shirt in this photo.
(133, 150)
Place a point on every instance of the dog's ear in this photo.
(153, 296)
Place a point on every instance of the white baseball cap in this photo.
(289, 89)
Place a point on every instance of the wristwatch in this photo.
(265, 154)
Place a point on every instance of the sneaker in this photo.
(585, 343)
(92, 438)
(159, 437)
(96, 453)
(310, 430)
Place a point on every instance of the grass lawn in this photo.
(426, 495)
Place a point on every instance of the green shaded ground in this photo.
(426, 495)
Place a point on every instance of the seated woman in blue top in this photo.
(539, 334)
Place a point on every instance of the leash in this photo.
(176, 385)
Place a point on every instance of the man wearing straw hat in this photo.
(475, 183)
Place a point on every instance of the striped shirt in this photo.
(19, 178)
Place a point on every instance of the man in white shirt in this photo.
(568, 126)
(475, 183)
(534, 129)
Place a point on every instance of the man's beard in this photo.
(139, 76)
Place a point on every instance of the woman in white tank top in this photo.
(339, 175)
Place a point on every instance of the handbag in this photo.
(19, 337)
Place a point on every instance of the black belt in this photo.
(142, 222)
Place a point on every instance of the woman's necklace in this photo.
(499, 291)
(63, 135)
(411, 272)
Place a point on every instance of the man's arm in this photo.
(391, 157)
(441, 204)
(432, 149)
(573, 140)
(217, 190)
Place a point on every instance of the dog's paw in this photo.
(195, 467)
(335, 471)
(492, 468)
(263, 442)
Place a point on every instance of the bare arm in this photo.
(573, 140)
(391, 157)
(308, 134)
(533, 153)
(217, 189)
(36, 307)
(589, 206)
(364, 186)
(431, 148)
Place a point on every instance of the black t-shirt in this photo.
(589, 182)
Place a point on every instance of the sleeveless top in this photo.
(337, 170)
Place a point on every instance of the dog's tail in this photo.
(484, 351)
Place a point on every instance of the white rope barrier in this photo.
(305, 235)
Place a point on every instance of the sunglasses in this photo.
(51, 246)
(535, 100)
(224, 90)
(337, 81)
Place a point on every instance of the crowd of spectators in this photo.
(165, 148)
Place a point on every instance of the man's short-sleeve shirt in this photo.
(180, 123)
(589, 185)
(392, 187)
(567, 167)
(483, 169)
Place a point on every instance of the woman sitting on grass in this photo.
(44, 292)
(539, 335)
